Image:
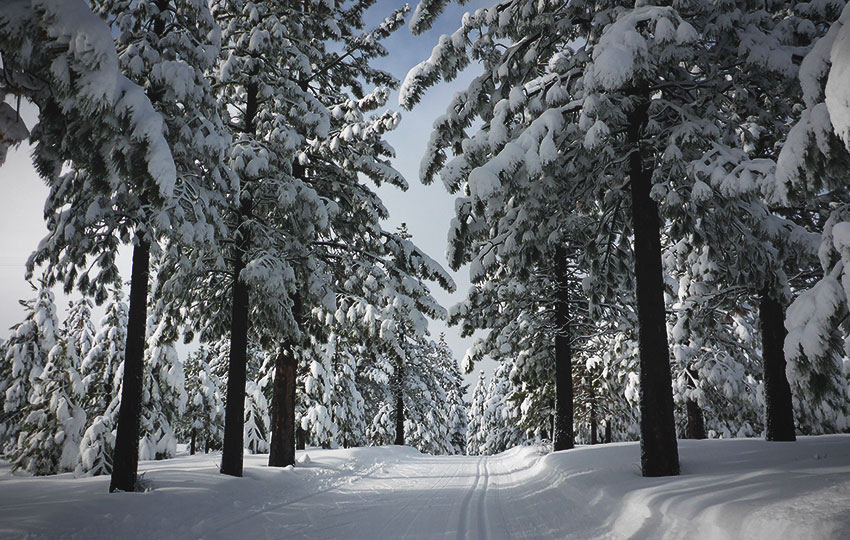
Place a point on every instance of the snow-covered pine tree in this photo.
(499, 417)
(26, 354)
(164, 397)
(813, 163)
(52, 419)
(475, 426)
(715, 348)
(167, 48)
(102, 371)
(78, 328)
(203, 422)
(299, 168)
(101, 367)
(455, 405)
(111, 140)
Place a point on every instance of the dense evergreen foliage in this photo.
(651, 199)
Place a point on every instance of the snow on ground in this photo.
(743, 488)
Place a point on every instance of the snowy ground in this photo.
(729, 489)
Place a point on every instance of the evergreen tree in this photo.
(26, 355)
(164, 396)
(53, 421)
(203, 421)
(101, 371)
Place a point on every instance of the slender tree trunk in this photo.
(300, 438)
(563, 437)
(125, 458)
(282, 450)
(696, 423)
(594, 425)
(399, 405)
(607, 430)
(778, 407)
(192, 443)
(659, 450)
(234, 412)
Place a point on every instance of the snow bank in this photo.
(738, 488)
(187, 497)
(735, 488)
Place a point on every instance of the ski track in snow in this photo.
(728, 490)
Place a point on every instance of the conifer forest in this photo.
(245, 311)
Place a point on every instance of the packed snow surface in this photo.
(740, 488)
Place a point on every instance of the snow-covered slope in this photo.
(741, 488)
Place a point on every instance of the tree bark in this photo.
(778, 407)
(192, 443)
(607, 431)
(659, 450)
(234, 413)
(282, 448)
(399, 405)
(563, 437)
(594, 426)
(696, 424)
(125, 458)
(300, 438)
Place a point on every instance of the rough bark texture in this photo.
(125, 458)
(399, 406)
(563, 437)
(282, 449)
(607, 431)
(659, 450)
(778, 409)
(234, 412)
(300, 438)
(696, 424)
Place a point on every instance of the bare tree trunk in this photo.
(234, 413)
(696, 424)
(282, 450)
(778, 407)
(399, 405)
(659, 450)
(125, 457)
(594, 425)
(563, 436)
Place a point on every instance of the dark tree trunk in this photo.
(125, 458)
(192, 443)
(659, 450)
(563, 437)
(594, 426)
(300, 438)
(778, 408)
(234, 412)
(607, 431)
(696, 423)
(282, 450)
(399, 405)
